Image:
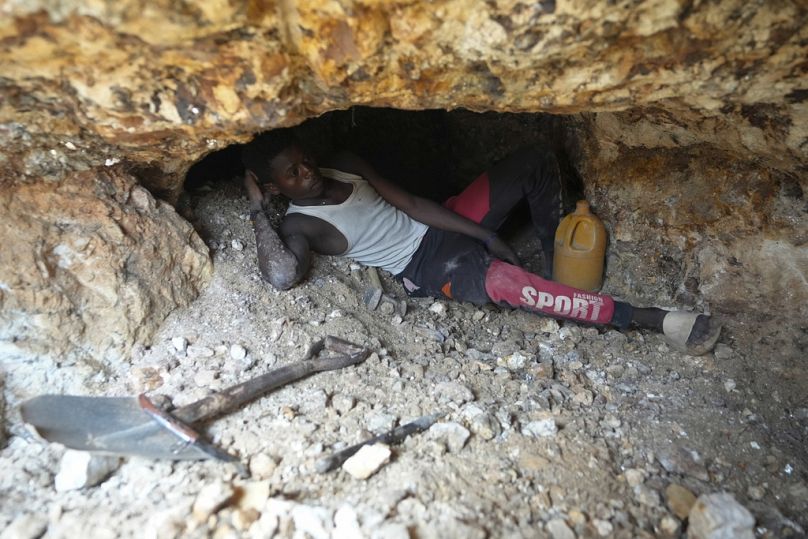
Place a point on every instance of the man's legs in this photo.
(532, 174)
(692, 333)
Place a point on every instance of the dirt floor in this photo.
(551, 429)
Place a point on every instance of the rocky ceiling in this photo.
(688, 117)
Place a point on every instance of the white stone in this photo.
(237, 245)
(179, 343)
(393, 530)
(541, 428)
(603, 527)
(238, 352)
(558, 529)
(210, 499)
(197, 351)
(453, 392)
(310, 521)
(367, 460)
(634, 476)
(454, 435)
(26, 526)
(205, 377)
(719, 516)
(254, 494)
(380, 422)
(79, 469)
(438, 308)
(514, 361)
(346, 524)
(262, 465)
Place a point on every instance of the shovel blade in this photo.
(113, 425)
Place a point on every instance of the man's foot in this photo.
(691, 333)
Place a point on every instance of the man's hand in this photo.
(254, 192)
(501, 250)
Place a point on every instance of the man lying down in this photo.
(452, 251)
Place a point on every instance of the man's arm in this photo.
(421, 209)
(282, 263)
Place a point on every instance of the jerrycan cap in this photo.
(582, 207)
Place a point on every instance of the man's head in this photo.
(281, 165)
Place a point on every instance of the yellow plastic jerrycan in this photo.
(580, 247)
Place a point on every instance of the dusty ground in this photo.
(551, 429)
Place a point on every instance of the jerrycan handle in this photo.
(581, 210)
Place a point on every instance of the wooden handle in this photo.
(234, 396)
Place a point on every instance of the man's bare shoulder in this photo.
(322, 236)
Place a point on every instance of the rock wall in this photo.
(153, 87)
(162, 84)
(90, 265)
(691, 222)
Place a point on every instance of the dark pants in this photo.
(452, 265)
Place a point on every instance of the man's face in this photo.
(295, 174)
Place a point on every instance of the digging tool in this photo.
(395, 436)
(134, 426)
(374, 294)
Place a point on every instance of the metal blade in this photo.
(115, 425)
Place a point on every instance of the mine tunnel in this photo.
(133, 305)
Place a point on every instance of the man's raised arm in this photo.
(282, 264)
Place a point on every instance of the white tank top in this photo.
(378, 233)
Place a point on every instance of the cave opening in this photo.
(431, 153)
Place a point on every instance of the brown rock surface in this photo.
(166, 83)
(90, 265)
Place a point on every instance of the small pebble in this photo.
(452, 434)
(719, 515)
(542, 428)
(558, 529)
(196, 351)
(367, 460)
(603, 527)
(679, 500)
(80, 469)
(237, 245)
(179, 343)
(262, 466)
(238, 352)
(210, 499)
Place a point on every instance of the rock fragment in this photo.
(603, 527)
(211, 498)
(343, 403)
(367, 460)
(262, 465)
(679, 499)
(346, 524)
(26, 526)
(669, 526)
(558, 529)
(237, 245)
(238, 352)
(380, 422)
(719, 516)
(196, 351)
(453, 392)
(79, 469)
(452, 434)
(542, 428)
(179, 343)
